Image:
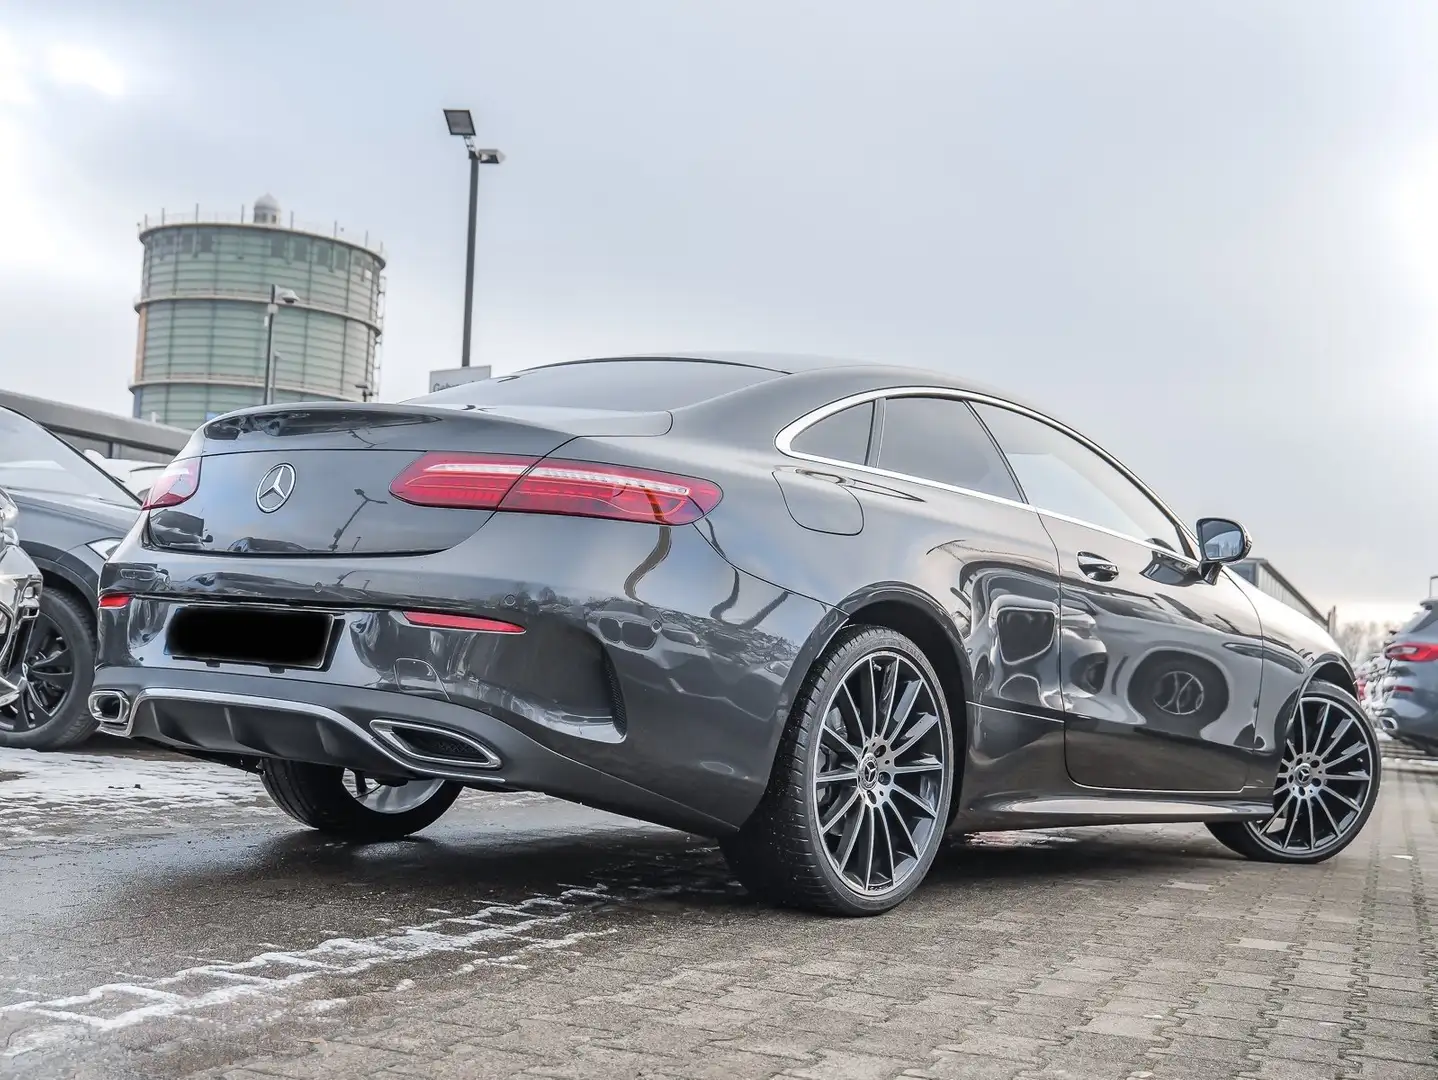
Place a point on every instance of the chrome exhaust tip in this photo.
(1387, 723)
(429, 745)
(112, 709)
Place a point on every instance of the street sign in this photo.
(447, 377)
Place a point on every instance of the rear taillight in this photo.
(548, 486)
(435, 620)
(176, 484)
(1416, 652)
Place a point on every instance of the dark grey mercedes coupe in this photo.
(822, 611)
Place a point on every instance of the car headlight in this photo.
(104, 548)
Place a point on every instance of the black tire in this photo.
(1240, 836)
(779, 854)
(54, 713)
(316, 795)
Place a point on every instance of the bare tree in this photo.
(1360, 640)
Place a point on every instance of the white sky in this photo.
(1205, 234)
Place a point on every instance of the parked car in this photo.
(73, 515)
(20, 585)
(136, 475)
(1406, 704)
(817, 610)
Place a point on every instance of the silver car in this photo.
(19, 603)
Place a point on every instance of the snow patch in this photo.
(497, 935)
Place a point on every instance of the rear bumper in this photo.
(652, 678)
(1407, 718)
(259, 717)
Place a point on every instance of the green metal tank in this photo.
(203, 294)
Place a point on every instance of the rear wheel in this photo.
(1327, 784)
(51, 713)
(345, 803)
(859, 794)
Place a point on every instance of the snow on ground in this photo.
(52, 796)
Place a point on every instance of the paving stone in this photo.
(1425, 1051)
(846, 1065)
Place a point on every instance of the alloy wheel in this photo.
(878, 777)
(1325, 782)
(48, 673)
(390, 798)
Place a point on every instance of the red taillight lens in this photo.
(437, 621)
(1417, 652)
(176, 484)
(114, 600)
(463, 481)
(550, 486)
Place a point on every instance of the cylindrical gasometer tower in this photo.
(206, 284)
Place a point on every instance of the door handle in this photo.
(1096, 566)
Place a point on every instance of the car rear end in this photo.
(486, 594)
(1406, 703)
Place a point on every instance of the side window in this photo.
(1061, 474)
(841, 437)
(940, 439)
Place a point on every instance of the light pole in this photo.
(278, 296)
(461, 123)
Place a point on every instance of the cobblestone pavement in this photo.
(160, 925)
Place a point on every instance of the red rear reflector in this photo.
(436, 621)
(176, 484)
(1401, 689)
(552, 486)
(114, 600)
(1419, 652)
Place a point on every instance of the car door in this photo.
(980, 550)
(1161, 662)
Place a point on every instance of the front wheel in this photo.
(350, 804)
(58, 668)
(1327, 784)
(859, 794)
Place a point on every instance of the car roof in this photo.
(806, 363)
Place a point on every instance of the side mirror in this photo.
(1222, 541)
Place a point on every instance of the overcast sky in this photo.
(1207, 234)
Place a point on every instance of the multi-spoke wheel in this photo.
(58, 668)
(353, 805)
(1327, 784)
(859, 794)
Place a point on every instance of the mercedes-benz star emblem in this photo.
(275, 489)
(1179, 693)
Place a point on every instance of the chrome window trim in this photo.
(783, 442)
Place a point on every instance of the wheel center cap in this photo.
(868, 772)
(1304, 773)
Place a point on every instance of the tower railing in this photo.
(287, 222)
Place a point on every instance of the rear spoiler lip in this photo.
(263, 427)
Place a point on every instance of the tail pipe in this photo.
(112, 709)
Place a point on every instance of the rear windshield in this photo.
(621, 385)
(1422, 620)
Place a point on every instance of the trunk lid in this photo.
(314, 480)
